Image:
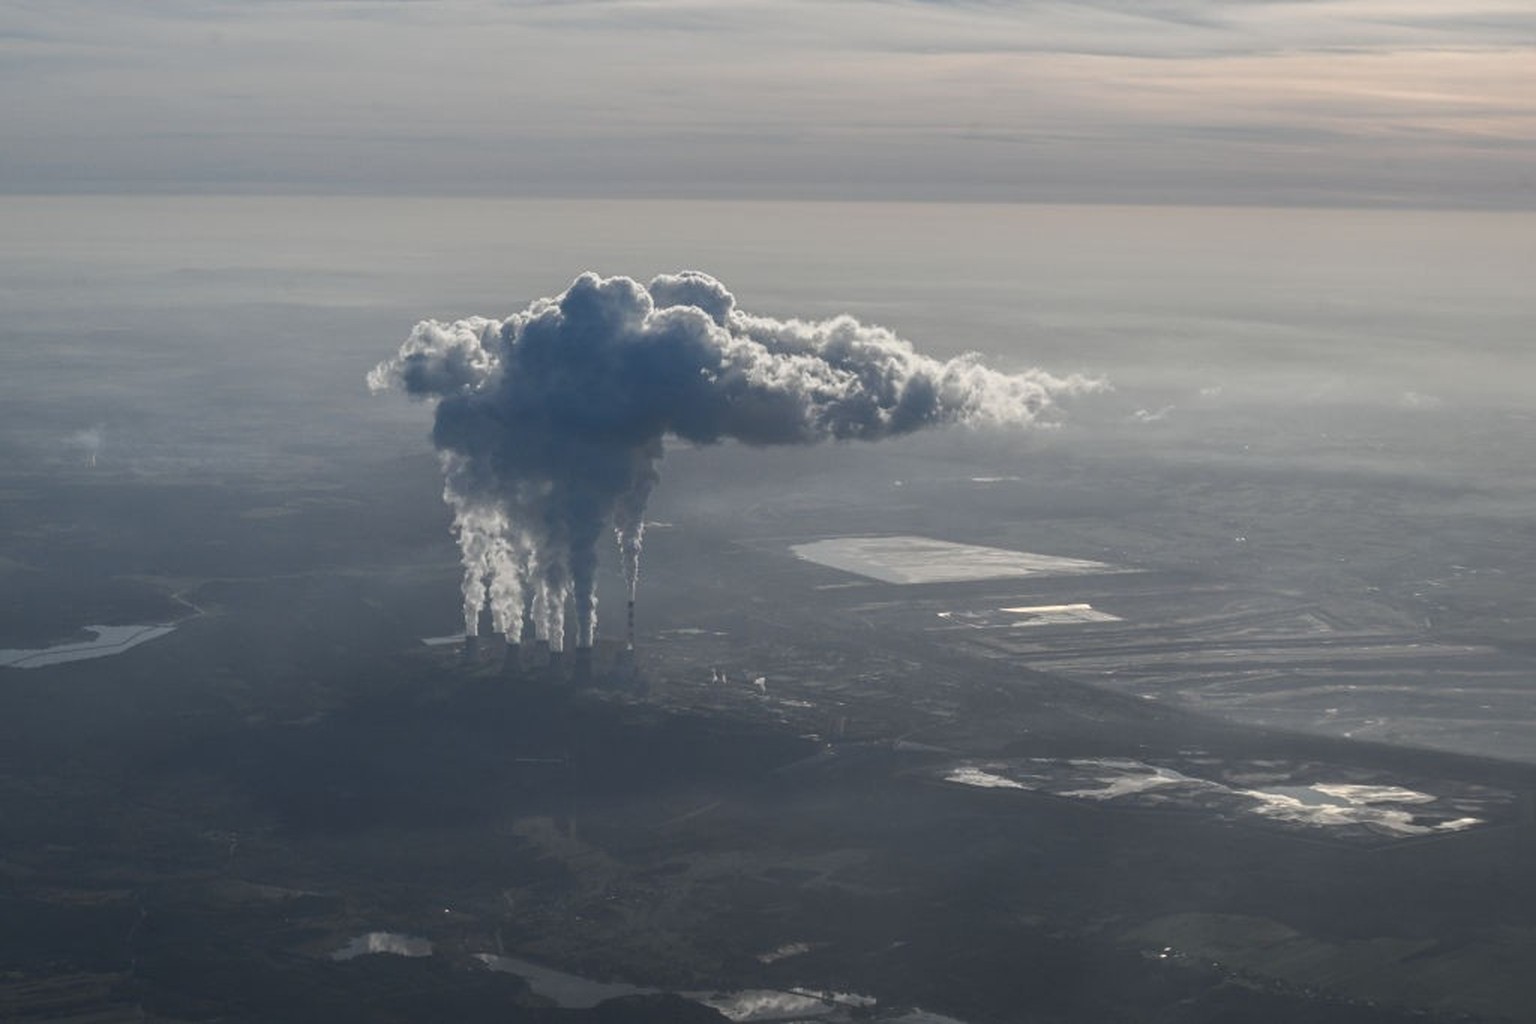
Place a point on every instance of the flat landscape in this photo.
(1199, 782)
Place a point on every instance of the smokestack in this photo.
(512, 658)
(629, 633)
(556, 665)
(581, 667)
(471, 648)
(623, 667)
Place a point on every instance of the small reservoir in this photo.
(108, 640)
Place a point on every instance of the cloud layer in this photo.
(1337, 101)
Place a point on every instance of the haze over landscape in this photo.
(1080, 451)
(1345, 102)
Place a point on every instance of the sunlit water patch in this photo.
(784, 952)
(1129, 778)
(573, 992)
(392, 943)
(1057, 614)
(1026, 616)
(568, 991)
(109, 640)
(1385, 808)
(753, 1005)
(970, 775)
(1360, 808)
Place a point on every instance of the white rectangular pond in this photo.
(909, 559)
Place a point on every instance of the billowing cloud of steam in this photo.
(550, 423)
(88, 441)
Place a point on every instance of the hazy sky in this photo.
(1330, 101)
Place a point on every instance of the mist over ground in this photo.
(1237, 310)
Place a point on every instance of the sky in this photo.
(1320, 102)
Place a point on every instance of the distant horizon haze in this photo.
(1399, 103)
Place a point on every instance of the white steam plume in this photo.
(550, 422)
(89, 442)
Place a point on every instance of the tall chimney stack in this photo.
(629, 634)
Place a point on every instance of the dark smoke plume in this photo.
(550, 423)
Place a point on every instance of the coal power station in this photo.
(549, 425)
